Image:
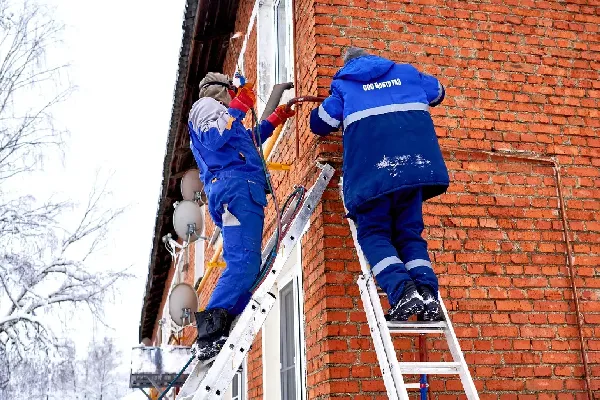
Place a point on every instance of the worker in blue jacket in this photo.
(235, 184)
(392, 163)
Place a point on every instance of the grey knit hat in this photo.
(354, 52)
(217, 92)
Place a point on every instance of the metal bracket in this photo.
(218, 264)
(278, 166)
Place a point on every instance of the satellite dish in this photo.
(188, 217)
(183, 302)
(191, 186)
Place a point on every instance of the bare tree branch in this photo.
(26, 127)
(44, 265)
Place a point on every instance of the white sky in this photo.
(124, 56)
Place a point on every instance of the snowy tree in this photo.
(44, 264)
(98, 376)
(43, 267)
(33, 377)
(29, 87)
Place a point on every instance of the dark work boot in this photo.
(432, 310)
(213, 330)
(410, 303)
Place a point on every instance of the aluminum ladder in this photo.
(381, 331)
(211, 380)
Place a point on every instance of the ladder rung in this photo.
(412, 385)
(429, 368)
(416, 327)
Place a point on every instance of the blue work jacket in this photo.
(222, 146)
(389, 138)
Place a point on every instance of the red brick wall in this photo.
(519, 76)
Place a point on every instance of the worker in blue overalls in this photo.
(392, 163)
(235, 184)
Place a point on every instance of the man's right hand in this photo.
(280, 115)
(245, 98)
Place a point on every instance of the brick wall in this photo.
(519, 76)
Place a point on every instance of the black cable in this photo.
(298, 191)
(257, 139)
(163, 394)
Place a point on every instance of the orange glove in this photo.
(245, 98)
(280, 115)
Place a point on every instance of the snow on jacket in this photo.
(389, 138)
(222, 146)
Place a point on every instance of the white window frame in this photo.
(242, 375)
(265, 58)
(271, 340)
(288, 57)
(268, 54)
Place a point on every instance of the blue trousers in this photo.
(389, 232)
(237, 207)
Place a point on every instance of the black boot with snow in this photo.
(432, 310)
(213, 330)
(410, 303)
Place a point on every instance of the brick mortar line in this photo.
(570, 263)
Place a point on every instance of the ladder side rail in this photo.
(459, 366)
(234, 351)
(261, 303)
(219, 375)
(391, 358)
(387, 339)
(382, 355)
(193, 380)
(457, 356)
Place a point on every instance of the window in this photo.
(283, 35)
(237, 390)
(275, 48)
(237, 385)
(284, 366)
(287, 344)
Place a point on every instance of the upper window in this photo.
(283, 34)
(275, 49)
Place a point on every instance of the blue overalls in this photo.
(235, 184)
(392, 163)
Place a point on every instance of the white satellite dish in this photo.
(188, 218)
(183, 302)
(191, 186)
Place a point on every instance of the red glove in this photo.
(280, 115)
(245, 98)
